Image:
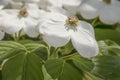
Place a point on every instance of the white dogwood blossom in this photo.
(107, 10)
(58, 30)
(24, 18)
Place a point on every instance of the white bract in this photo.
(58, 30)
(107, 10)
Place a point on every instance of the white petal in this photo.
(1, 35)
(110, 14)
(55, 3)
(71, 5)
(62, 11)
(57, 17)
(54, 33)
(12, 25)
(71, 2)
(86, 27)
(1, 7)
(34, 13)
(84, 43)
(90, 9)
(30, 28)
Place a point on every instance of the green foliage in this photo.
(59, 68)
(30, 60)
(107, 67)
(109, 47)
(19, 61)
(107, 33)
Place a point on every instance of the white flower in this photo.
(48, 4)
(17, 5)
(27, 1)
(89, 9)
(3, 3)
(110, 13)
(25, 19)
(71, 5)
(58, 30)
(107, 10)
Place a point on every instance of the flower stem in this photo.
(54, 54)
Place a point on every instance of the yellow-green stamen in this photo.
(72, 21)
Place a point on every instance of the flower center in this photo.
(23, 12)
(107, 1)
(72, 21)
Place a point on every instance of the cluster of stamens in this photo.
(107, 1)
(23, 12)
(72, 21)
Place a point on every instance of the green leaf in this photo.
(109, 47)
(103, 34)
(82, 63)
(90, 76)
(12, 68)
(32, 68)
(54, 67)
(107, 67)
(23, 67)
(9, 48)
(70, 72)
(63, 70)
(67, 49)
(46, 75)
(38, 49)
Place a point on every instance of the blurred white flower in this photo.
(89, 9)
(58, 30)
(27, 1)
(110, 12)
(107, 10)
(71, 6)
(3, 3)
(17, 5)
(48, 4)
(24, 18)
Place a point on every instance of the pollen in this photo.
(23, 12)
(72, 21)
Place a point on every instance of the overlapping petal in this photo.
(54, 34)
(57, 33)
(83, 41)
(31, 28)
(12, 25)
